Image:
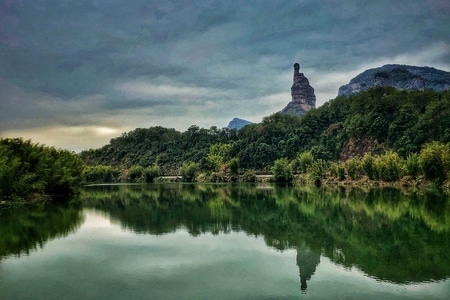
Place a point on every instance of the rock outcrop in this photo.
(237, 123)
(303, 97)
(399, 76)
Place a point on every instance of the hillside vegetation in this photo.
(377, 122)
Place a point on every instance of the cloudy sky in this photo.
(75, 73)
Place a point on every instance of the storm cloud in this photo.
(74, 74)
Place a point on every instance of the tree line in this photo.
(380, 134)
(386, 125)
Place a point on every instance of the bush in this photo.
(318, 168)
(338, 170)
(135, 173)
(233, 164)
(249, 176)
(434, 159)
(150, 173)
(389, 166)
(412, 165)
(282, 170)
(101, 173)
(218, 177)
(353, 167)
(188, 171)
(305, 160)
(367, 163)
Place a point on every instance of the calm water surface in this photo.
(175, 241)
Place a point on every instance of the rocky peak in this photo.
(402, 77)
(303, 97)
(237, 123)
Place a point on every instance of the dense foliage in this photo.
(376, 121)
(31, 169)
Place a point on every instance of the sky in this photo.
(76, 73)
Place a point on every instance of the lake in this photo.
(228, 241)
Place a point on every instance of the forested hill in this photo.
(375, 121)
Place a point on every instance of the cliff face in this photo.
(303, 97)
(399, 76)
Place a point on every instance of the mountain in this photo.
(237, 123)
(303, 97)
(402, 77)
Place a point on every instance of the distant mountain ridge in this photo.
(237, 123)
(403, 77)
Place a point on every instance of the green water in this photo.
(192, 241)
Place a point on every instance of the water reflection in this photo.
(386, 234)
(28, 227)
(307, 262)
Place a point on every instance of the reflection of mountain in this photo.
(26, 227)
(384, 233)
(307, 262)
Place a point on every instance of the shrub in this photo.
(135, 173)
(389, 166)
(353, 167)
(412, 165)
(188, 171)
(233, 164)
(434, 159)
(318, 168)
(305, 160)
(218, 177)
(282, 170)
(101, 173)
(367, 163)
(150, 173)
(249, 176)
(338, 170)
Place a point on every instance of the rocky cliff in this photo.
(399, 76)
(303, 97)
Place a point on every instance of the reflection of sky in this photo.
(101, 260)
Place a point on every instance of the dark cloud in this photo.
(205, 60)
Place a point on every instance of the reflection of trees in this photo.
(307, 262)
(26, 227)
(383, 232)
